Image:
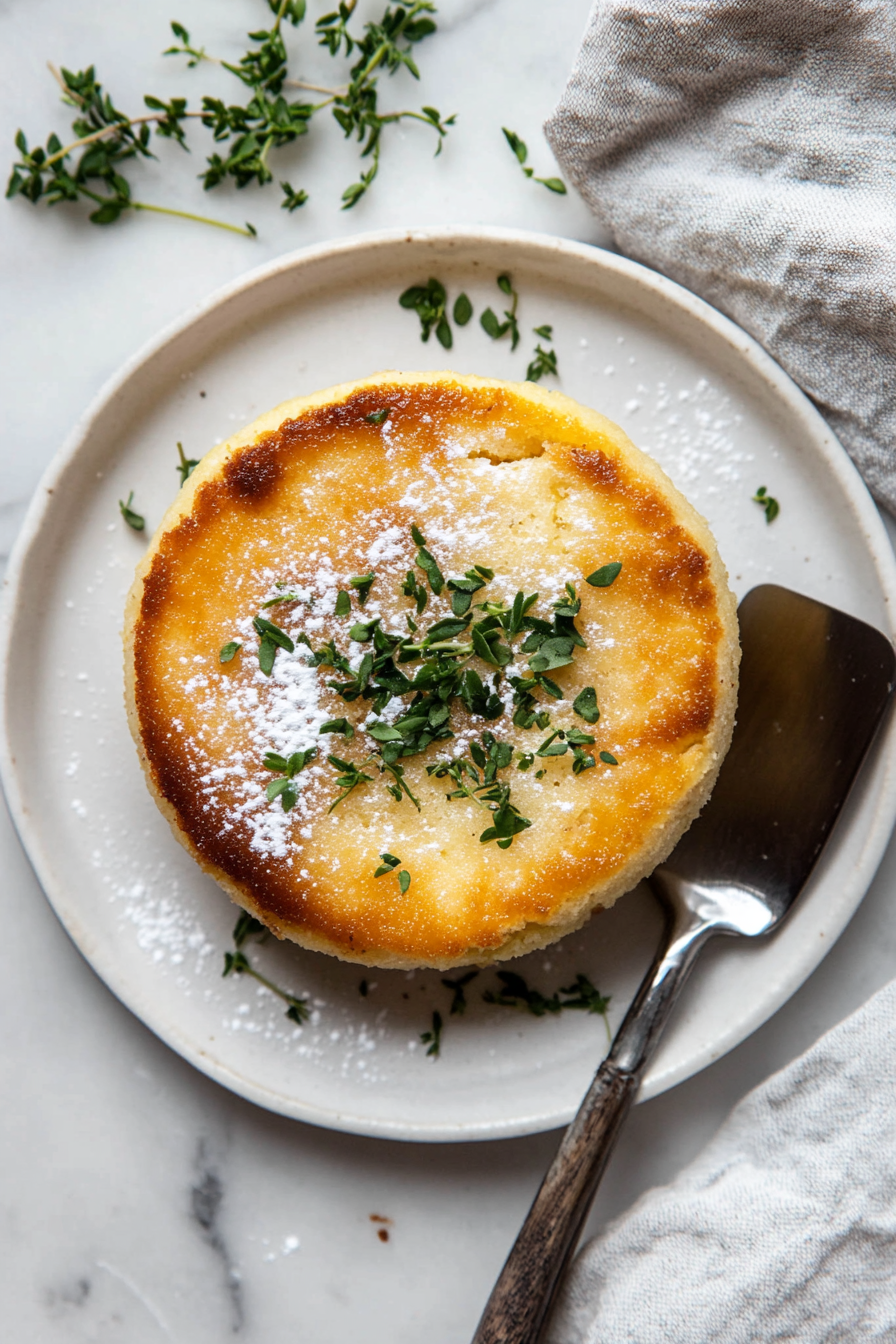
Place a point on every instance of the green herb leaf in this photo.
(404, 880)
(608, 758)
(426, 561)
(607, 574)
(363, 583)
(463, 310)
(131, 517)
(585, 705)
(388, 865)
(766, 501)
(283, 789)
(268, 630)
(343, 604)
(377, 417)
(337, 726)
(229, 651)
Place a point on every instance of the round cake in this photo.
(426, 668)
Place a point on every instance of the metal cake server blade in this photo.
(815, 684)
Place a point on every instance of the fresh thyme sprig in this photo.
(131, 517)
(490, 323)
(521, 152)
(543, 361)
(248, 132)
(237, 963)
(768, 503)
(108, 138)
(581, 996)
(186, 465)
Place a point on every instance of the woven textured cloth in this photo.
(783, 1229)
(747, 149)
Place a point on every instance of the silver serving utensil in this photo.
(814, 687)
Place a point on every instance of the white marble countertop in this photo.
(140, 1201)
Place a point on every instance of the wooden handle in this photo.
(523, 1296)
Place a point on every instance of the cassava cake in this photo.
(424, 669)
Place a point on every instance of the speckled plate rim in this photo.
(654, 288)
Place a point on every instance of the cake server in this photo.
(814, 686)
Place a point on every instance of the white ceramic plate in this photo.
(689, 387)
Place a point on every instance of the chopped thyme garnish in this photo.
(492, 630)
(287, 768)
(337, 726)
(343, 604)
(388, 865)
(411, 588)
(352, 776)
(285, 596)
(186, 465)
(131, 517)
(459, 1001)
(585, 705)
(768, 503)
(377, 417)
(489, 322)
(229, 651)
(433, 1038)
(362, 583)
(426, 561)
(603, 577)
(237, 963)
(608, 758)
(272, 639)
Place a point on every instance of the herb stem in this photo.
(112, 129)
(315, 88)
(248, 969)
(186, 214)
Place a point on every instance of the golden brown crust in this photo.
(502, 474)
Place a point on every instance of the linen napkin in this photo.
(783, 1229)
(747, 149)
